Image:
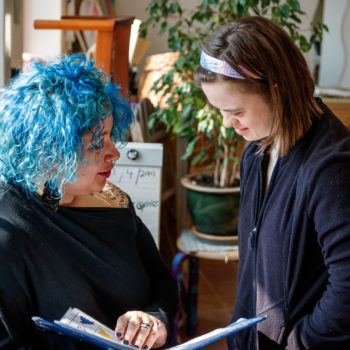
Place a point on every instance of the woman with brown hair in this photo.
(294, 224)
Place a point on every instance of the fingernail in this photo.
(136, 346)
(119, 334)
(126, 342)
(146, 347)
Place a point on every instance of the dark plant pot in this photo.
(214, 211)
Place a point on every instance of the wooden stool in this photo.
(192, 291)
(112, 41)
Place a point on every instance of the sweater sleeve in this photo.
(328, 326)
(164, 301)
(6, 342)
(14, 305)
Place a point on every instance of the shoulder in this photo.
(114, 195)
(323, 156)
(327, 131)
(111, 196)
(9, 239)
(327, 142)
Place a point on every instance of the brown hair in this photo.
(265, 49)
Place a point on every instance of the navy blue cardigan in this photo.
(295, 244)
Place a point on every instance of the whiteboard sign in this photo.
(140, 178)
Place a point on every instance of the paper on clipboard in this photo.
(81, 326)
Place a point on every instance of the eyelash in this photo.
(97, 147)
(236, 114)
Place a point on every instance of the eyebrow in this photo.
(227, 109)
(232, 110)
(94, 137)
(106, 132)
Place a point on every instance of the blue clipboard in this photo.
(45, 325)
(104, 343)
(217, 334)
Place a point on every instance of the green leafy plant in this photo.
(187, 112)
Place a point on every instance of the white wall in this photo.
(345, 79)
(159, 43)
(2, 47)
(137, 8)
(39, 42)
(48, 42)
(44, 9)
(335, 65)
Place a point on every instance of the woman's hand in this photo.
(141, 330)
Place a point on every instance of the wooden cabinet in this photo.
(341, 108)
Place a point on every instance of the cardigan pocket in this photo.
(271, 332)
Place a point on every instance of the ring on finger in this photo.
(145, 325)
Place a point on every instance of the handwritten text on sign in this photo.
(142, 184)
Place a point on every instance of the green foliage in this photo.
(187, 113)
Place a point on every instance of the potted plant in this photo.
(187, 112)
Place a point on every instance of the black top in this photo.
(101, 260)
(294, 244)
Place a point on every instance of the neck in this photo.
(272, 162)
(66, 199)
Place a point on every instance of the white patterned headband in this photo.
(218, 66)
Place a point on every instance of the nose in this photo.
(112, 154)
(228, 121)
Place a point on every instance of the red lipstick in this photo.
(106, 174)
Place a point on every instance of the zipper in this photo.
(259, 210)
(254, 232)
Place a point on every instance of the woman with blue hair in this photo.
(68, 237)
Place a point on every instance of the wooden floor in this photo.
(216, 298)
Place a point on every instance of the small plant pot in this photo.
(214, 211)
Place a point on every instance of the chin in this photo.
(247, 138)
(251, 138)
(101, 186)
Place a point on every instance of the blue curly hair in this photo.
(44, 114)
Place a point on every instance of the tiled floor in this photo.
(216, 297)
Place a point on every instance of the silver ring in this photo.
(145, 325)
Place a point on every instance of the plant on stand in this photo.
(186, 111)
